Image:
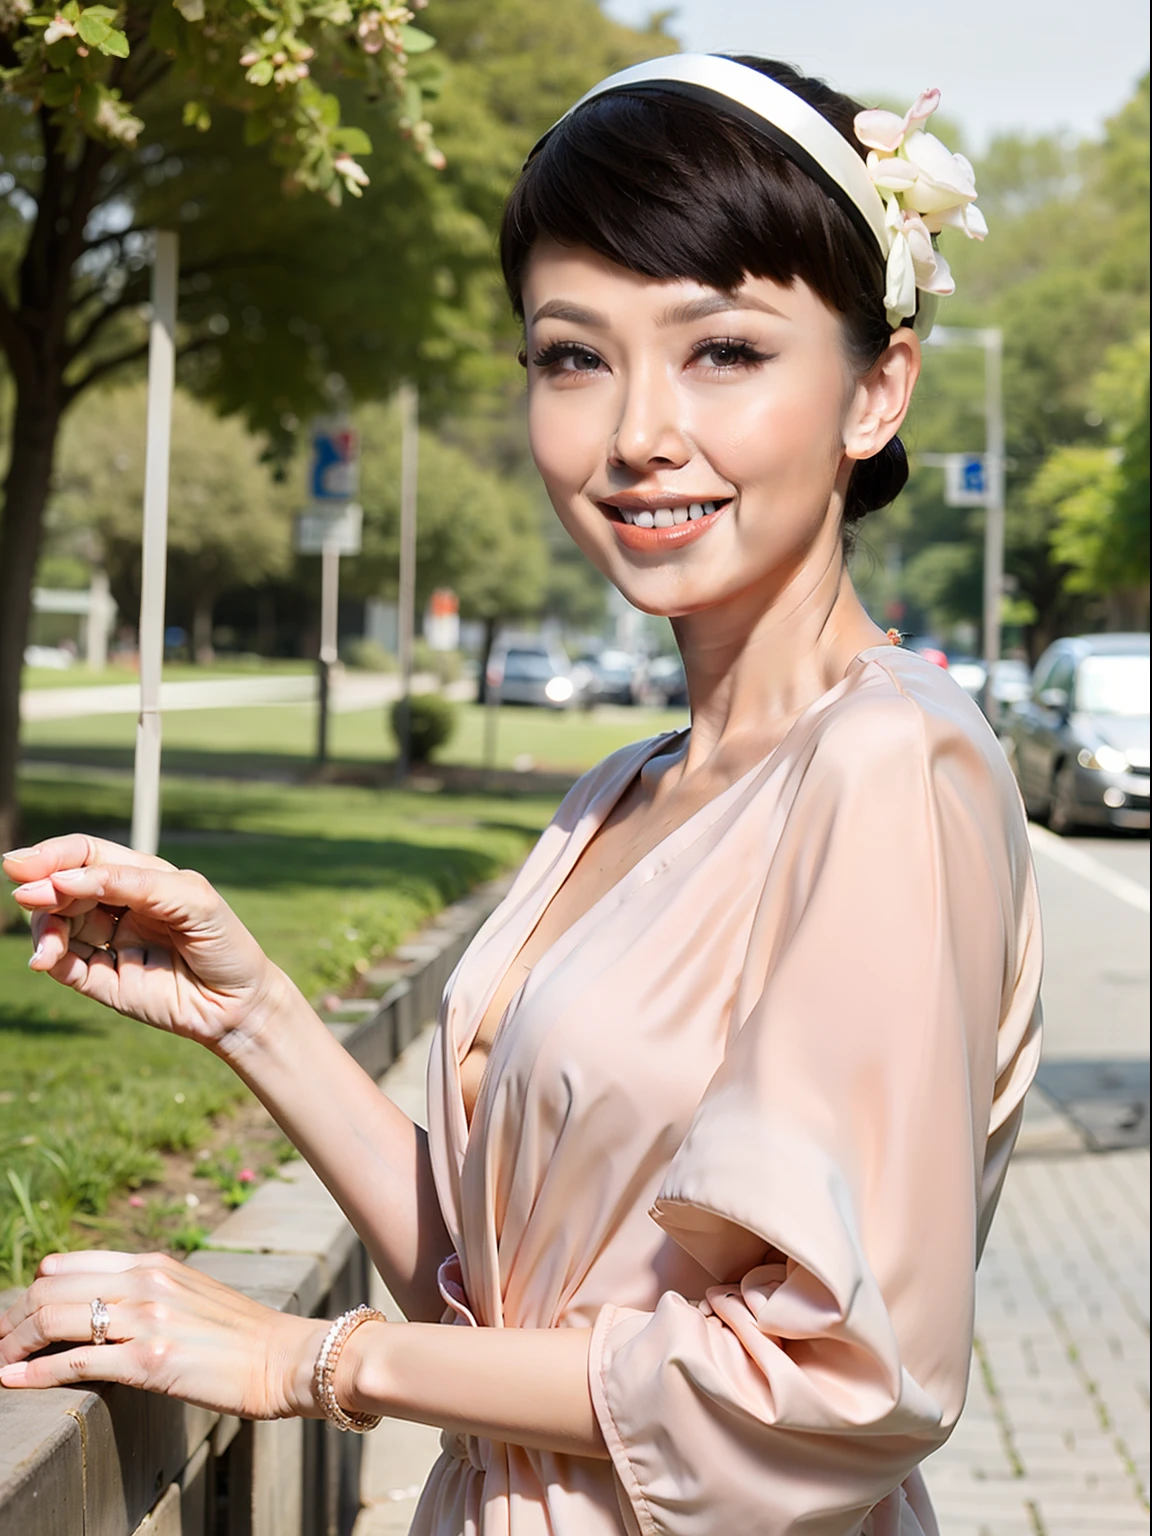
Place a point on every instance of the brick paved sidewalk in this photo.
(1054, 1440)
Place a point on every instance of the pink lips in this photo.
(656, 540)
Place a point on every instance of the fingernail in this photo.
(48, 1266)
(68, 877)
(37, 954)
(20, 853)
(13, 1375)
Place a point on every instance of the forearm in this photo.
(370, 1155)
(526, 1386)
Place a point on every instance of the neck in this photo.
(757, 661)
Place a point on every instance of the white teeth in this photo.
(629, 517)
(695, 512)
(679, 515)
(645, 520)
(664, 517)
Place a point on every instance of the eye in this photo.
(568, 357)
(725, 353)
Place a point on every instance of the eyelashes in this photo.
(728, 353)
(740, 353)
(549, 356)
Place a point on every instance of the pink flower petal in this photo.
(879, 129)
(923, 107)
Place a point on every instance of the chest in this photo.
(641, 822)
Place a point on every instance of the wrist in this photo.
(295, 1366)
(276, 1005)
(362, 1376)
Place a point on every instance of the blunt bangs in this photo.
(672, 189)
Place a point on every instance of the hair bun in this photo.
(876, 482)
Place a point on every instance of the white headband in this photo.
(892, 197)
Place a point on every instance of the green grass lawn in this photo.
(280, 738)
(80, 676)
(327, 877)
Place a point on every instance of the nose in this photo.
(649, 431)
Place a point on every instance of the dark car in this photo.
(615, 677)
(663, 684)
(528, 673)
(1079, 743)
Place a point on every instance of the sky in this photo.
(1031, 65)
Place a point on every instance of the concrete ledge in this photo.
(111, 1461)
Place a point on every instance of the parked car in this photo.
(522, 672)
(1009, 683)
(615, 677)
(663, 685)
(971, 673)
(928, 647)
(1079, 742)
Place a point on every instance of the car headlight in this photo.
(1107, 759)
(558, 690)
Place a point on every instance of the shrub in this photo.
(445, 666)
(432, 722)
(367, 655)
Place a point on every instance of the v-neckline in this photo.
(594, 817)
(596, 813)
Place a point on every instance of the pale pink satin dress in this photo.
(748, 1120)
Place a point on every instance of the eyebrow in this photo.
(679, 314)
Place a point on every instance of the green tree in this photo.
(1064, 273)
(1095, 500)
(92, 99)
(477, 531)
(229, 523)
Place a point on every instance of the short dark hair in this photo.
(672, 188)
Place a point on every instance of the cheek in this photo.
(565, 438)
(777, 434)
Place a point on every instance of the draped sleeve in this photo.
(838, 1175)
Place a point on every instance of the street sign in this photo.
(442, 621)
(336, 529)
(965, 480)
(334, 474)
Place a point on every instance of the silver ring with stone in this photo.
(100, 1321)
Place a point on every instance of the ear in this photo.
(881, 398)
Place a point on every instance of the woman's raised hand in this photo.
(153, 942)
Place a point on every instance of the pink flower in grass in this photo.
(245, 1176)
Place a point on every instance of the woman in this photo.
(723, 1094)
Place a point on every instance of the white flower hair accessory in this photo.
(925, 188)
(909, 188)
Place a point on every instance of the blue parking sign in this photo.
(334, 475)
(965, 480)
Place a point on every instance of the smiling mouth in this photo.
(667, 517)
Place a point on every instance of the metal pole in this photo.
(994, 486)
(406, 606)
(161, 382)
(329, 637)
(491, 723)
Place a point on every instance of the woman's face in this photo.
(690, 440)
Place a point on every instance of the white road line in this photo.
(1083, 864)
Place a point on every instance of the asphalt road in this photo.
(1096, 945)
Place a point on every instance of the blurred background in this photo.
(339, 296)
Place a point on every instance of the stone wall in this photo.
(111, 1461)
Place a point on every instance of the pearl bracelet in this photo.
(327, 1361)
